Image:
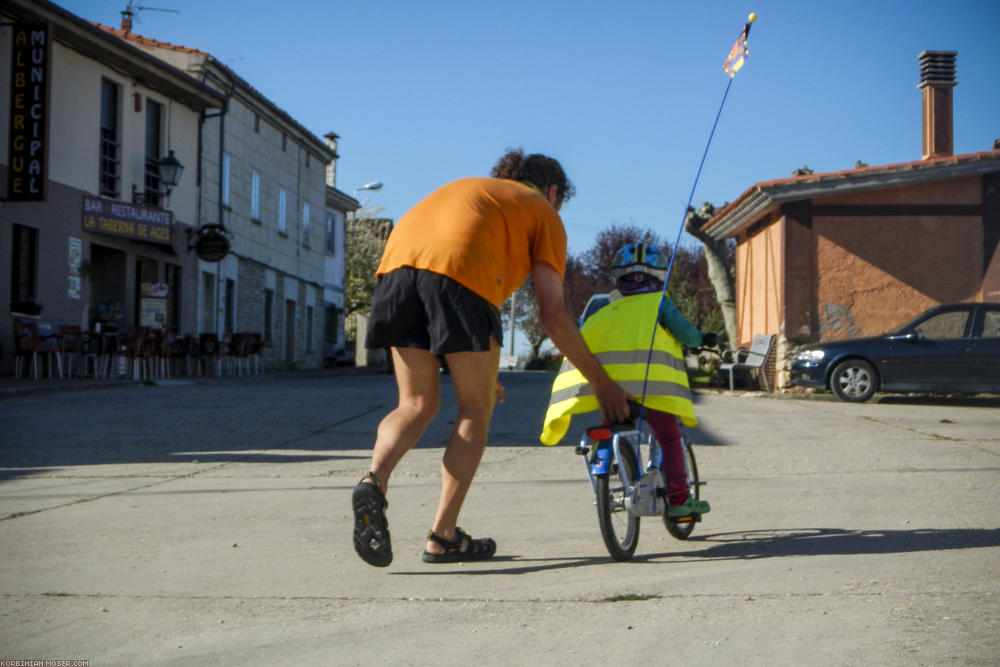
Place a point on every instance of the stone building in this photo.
(269, 183)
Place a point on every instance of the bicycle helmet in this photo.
(639, 258)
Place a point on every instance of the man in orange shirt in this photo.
(447, 267)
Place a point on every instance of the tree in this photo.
(719, 259)
(364, 240)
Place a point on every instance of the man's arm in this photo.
(563, 332)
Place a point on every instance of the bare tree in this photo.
(719, 258)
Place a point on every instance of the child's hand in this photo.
(499, 392)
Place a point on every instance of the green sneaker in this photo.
(691, 506)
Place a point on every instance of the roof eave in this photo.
(763, 197)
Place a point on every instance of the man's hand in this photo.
(614, 402)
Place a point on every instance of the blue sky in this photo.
(622, 93)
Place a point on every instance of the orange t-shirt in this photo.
(485, 233)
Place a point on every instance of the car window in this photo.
(943, 325)
(991, 324)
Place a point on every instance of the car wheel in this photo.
(854, 380)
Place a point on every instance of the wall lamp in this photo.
(170, 169)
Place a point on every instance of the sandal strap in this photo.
(370, 475)
(448, 545)
(484, 546)
(455, 546)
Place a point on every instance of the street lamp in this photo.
(374, 185)
(169, 170)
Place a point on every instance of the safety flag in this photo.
(740, 52)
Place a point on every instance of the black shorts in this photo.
(426, 310)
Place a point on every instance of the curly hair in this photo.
(540, 170)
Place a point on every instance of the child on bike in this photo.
(619, 335)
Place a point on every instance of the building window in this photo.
(173, 280)
(255, 195)
(154, 150)
(268, 316)
(284, 142)
(256, 123)
(230, 306)
(225, 179)
(24, 264)
(331, 234)
(282, 213)
(110, 147)
(305, 224)
(309, 328)
(307, 160)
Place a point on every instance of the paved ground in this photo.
(208, 523)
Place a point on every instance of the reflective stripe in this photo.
(632, 387)
(637, 357)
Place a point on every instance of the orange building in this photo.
(857, 252)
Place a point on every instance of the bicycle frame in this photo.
(641, 497)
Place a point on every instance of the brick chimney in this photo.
(127, 21)
(937, 78)
(331, 169)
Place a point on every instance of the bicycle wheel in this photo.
(619, 529)
(682, 527)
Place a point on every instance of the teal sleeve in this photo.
(671, 319)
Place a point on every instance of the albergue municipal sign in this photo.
(27, 173)
(139, 223)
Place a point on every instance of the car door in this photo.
(939, 356)
(986, 339)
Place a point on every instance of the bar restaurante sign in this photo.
(30, 67)
(139, 223)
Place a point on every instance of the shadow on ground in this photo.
(745, 545)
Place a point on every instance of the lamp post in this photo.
(374, 185)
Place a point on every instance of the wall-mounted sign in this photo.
(139, 223)
(75, 260)
(27, 174)
(153, 305)
(212, 244)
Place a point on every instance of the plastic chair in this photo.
(752, 360)
(70, 349)
(211, 351)
(32, 345)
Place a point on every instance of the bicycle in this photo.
(611, 455)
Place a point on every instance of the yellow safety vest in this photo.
(618, 336)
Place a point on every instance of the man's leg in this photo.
(419, 397)
(474, 375)
(418, 381)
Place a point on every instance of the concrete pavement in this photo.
(209, 522)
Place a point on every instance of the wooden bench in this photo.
(752, 359)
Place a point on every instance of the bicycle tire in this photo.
(683, 529)
(619, 529)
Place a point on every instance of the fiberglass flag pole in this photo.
(737, 57)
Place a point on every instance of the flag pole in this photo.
(737, 57)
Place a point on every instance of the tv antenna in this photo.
(132, 8)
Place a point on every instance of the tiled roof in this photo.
(147, 41)
(764, 196)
